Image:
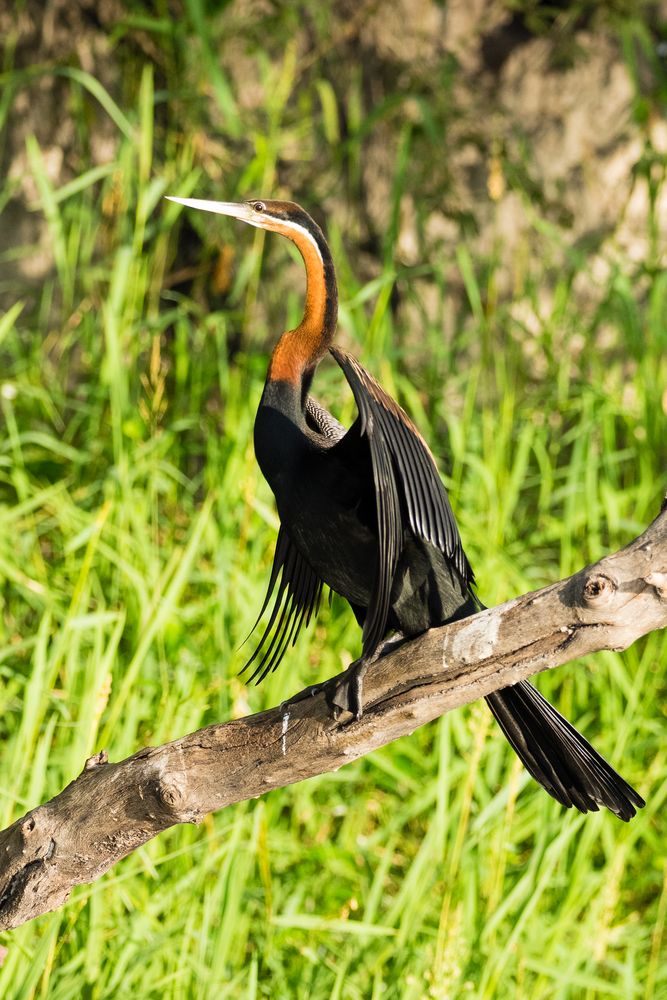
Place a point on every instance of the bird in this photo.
(364, 512)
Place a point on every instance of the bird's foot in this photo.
(348, 694)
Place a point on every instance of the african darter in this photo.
(364, 512)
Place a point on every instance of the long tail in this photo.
(559, 757)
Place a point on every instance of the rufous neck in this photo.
(298, 351)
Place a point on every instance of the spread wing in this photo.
(297, 599)
(405, 478)
(299, 588)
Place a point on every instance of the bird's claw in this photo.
(348, 693)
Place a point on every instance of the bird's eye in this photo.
(259, 206)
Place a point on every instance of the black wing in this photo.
(297, 599)
(403, 469)
(300, 588)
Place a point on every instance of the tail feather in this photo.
(558, 756)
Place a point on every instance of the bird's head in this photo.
(316, 329)
(284, 217)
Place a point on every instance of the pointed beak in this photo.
(234, 209)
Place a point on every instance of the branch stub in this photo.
(598, 590)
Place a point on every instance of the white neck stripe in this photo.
(288, 224)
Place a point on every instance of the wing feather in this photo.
(403, 470)
(390, 532)
(430, 515)
(297, 599)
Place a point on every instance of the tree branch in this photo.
(111, 809)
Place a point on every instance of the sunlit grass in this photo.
(136, 537)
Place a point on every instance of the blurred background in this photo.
(491, 177)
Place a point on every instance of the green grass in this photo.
(136, 537)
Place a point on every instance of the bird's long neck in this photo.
(298, 351)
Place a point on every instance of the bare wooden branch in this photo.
(111, 809)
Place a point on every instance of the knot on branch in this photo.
(659, 581)
(171, 794)
(28, 827)
(598, 590)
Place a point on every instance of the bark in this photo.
(111, 809)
